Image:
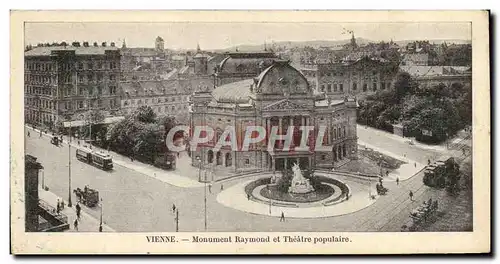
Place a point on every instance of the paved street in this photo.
(395, 144)
(137, 202)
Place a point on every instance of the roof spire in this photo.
(124, 44)
(265, 46)
(198, 47)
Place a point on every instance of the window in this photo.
(112, 103)
(112, 65)
(365, 87)
(80, 104)
(374, 86)
(80, 66)
(125, 102)
(335, 87)
(323, 157)
(329, 88)
(112, 77)
(91, 90)
(99, 77)
(80, 78)
(112, 89)
(382, 85)
(90, 77)
(173, 108)
(89, 65)
(247, 161)
(341, 87)
(146, 101)
(99, 90)
(322, 87)
(99, 103)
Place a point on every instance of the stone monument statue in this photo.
(299, 183)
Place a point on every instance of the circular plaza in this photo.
(323, 195)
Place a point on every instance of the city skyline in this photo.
(212, 36)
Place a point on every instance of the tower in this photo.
(353, 41)
(198, 50)
(159, 44)
(124, 44)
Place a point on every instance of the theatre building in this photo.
(279, 96)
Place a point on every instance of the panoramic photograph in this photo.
(248, 127)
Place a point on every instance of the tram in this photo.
(96, 158)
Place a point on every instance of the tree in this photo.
(403, 86)
(144, 114)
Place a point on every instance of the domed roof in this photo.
(236, 92)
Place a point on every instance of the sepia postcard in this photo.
(250, 132)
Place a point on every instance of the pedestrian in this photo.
(415, 164)
(58, 206)
(411, 196)
(397, 180)
(173, 208)
(40, 133)
(222, 187)
(78, 210)
(210, 188)
(428, 162)
(76, 224)
(248, 196)
(28, 134)
(282, 218)
(100, 228)
(178, 154)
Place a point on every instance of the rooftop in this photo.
(236, 92)
(47, 51)
(421, 71)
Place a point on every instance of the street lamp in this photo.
(100, 224)
(69, 167)
(270, 199)
(205, 189)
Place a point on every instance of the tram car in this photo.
(96, 158)
(442, 173)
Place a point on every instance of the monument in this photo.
(300, 184)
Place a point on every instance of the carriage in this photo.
(381, 190)
(87, 196)
(422, 215)
(55, 140)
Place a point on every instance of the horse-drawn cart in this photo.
(87, 196)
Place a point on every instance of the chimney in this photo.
(95, 44)
(112, 44)
(85, 44)
(104, 44)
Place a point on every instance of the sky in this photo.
(210, 36)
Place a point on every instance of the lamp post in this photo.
(270, 199)
(100, 224)
(205, 189)
(69, 168)
(43, 179)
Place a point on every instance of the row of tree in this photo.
(431, 114)
(141, 135)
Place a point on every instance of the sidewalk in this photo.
(405, 171)
(441, 147)
(87, 223)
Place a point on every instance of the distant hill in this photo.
(295, 44)
(327, 43)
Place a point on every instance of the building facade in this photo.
(64, 83)
(165, 97)
(279, 96)
(358, 78)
